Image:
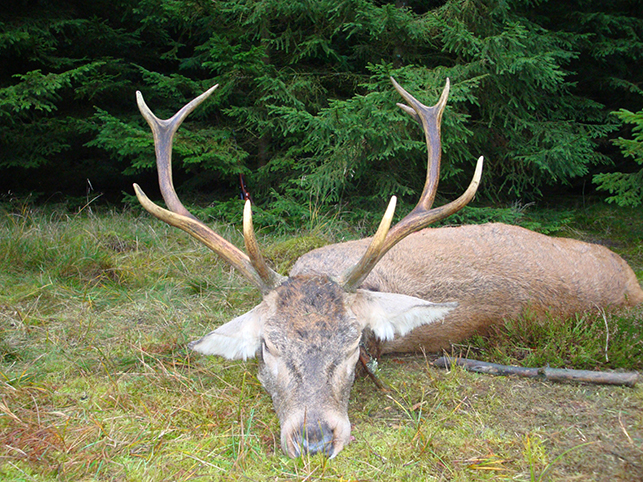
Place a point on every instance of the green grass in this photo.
(96, 309)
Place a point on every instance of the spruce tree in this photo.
(305, 109)
(626, 187)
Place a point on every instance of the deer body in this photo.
(407, 291)
(493, 271)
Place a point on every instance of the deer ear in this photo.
(390, 314)
(237, 339)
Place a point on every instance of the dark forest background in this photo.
(550, 92)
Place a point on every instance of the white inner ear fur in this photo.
(390, 314)
(238, 339)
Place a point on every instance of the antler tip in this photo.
(475, 182)
(390, 210)
(442, 102)
(140, 194)
(478, 172)
(247, 210)
(248, 228)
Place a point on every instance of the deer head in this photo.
(306, 332)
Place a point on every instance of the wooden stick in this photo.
(628, 379)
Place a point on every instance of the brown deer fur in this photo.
(494, 272)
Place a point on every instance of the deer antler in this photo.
(422, 215)
(252, 267)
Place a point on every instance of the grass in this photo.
(96, 309)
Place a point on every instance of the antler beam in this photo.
(422, 215)
(252, 267)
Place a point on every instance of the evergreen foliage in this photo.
(626, 187)
(305, 109)
(609, 39)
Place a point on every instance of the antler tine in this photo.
(163, 131)
(254, 267)
(353, 277)
(222, 247)
(419, 217)
(271, 277)
(422, 215)
(431, 120)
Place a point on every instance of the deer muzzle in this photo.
(315, 436)
(312, 440)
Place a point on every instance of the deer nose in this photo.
(314, 439)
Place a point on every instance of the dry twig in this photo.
(545, 373)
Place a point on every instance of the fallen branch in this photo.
(544, 373)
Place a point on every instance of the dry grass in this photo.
(96, 383)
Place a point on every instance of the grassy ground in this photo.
(96, 309)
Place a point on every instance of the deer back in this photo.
(494, 271)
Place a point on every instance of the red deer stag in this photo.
(307, 330)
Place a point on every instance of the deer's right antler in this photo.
(422, 215)
(253, 266)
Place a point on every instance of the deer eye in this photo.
(352, 350)
(348, 364)
(270, 359)
(270, 349)
(354, 355)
